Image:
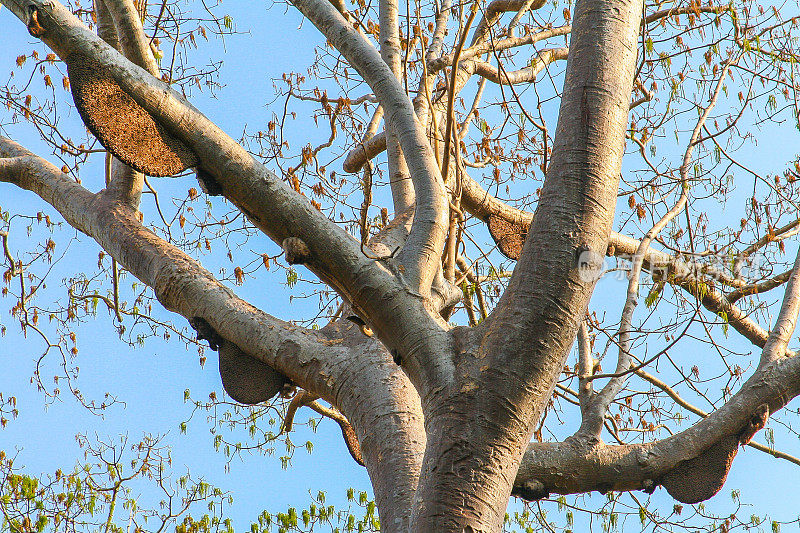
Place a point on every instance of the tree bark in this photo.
(339, 363)
(443, 415)
(507, 368)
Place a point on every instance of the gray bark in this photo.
(399, 177)
(338, 363)
(510, 373)
(420, 254)
(443, 415)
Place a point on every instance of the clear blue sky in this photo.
(151, 379)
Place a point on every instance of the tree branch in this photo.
(364, 152)
(508, 365)
(499, 45)
(421, 252)
(585, 370)
(272, 205)
(642, 466)
(399, 178)
(689, 407)
(781, 333)
(523, 75)
(578, 198)
(759, 288)
(123, 182)
(351, 371)
(515, 222)
(133, 42)
(601, 402)
(377, 144)
(494, 11)
(178, 282)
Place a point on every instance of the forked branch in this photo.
(420, 254)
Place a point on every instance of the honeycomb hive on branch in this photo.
(509, 235)
(121, 125)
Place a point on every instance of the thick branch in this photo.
(179, 283)
(399, 178)
(547, 295)
(271, 204)
(338, 363)
(689, 407)
(640, 466)
(483, 205)
(781, 333)
(134, 44)
(511, 361)
(684, 276)
(364, 152)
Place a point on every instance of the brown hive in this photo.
(121, 125)
(508, 235)
(700, 478)
(245, 379)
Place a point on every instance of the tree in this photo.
(443, 415)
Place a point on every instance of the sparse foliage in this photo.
(444, 186)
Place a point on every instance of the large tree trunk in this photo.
(479, 426)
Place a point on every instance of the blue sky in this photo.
(151, 379)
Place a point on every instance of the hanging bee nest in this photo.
(249, 380)
(508, 235)
(121, 125)
(698, 479)
(245, 379)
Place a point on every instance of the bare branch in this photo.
(642, 466)
(449, 116)
(585, 370)
(759, 288)
(684, 11)
(771, 236)
(399, 179)
(480, 203)
(499, 45)
(778, 339)
(338, 363)
(420, 255)
(689, 407)
(133, 42)
(365, 151)
(160, 265)
(612, 388)
(494, 11)
(348, 434)
(523, 75)
(270, 203)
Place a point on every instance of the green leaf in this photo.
(653, 295)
